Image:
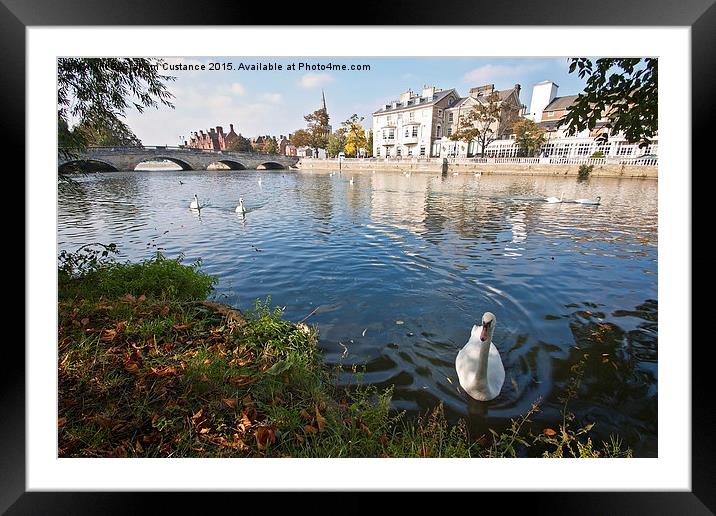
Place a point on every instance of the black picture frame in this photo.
(16, 15)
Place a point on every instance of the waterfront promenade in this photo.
(553, 166)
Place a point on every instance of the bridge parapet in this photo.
(127, 158)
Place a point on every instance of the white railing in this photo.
(552, 160)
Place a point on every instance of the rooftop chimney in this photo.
(231, 126)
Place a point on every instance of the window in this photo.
(449, 131)
(410, 151)
(438, 131)
(377, 152)
(391, 134)
(440, 114)
(583, 149)
(398, 151)
(412, 116)
(450, 117)
(389, 120)
(415, 131)
(422, 150)
(400, 116)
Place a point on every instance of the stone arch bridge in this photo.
(127, 158)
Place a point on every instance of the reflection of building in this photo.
(212, 139)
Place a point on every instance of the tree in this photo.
(336, 143)
(300, 138)
(369, 144)
(479, 123)
(108, 131)
(271, 146)
(241, 144)
(623, 91)
(355, 135)
(99, 91)
(317, 129)
(528, 135)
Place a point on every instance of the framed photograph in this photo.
(275, 258)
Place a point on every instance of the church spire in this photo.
(323, 101)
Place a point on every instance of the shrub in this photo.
(584, 171)
(598, 154)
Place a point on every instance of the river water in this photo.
(398, 269)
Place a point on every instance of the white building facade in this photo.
(409, 126)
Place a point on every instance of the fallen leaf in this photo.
(85, 321)
(245, 423)
(305, 415)
(142, 298)
(132, 367)
(309, 429)
(549, 432)
(138, 447)
(165, 371)
(180, 327)
(265, 436)
(204, 431)
(61, 422)
(129, 298)
(230, 402)
(320, 420)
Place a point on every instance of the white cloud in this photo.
(271, 98)
(237, 88)
(490, 73)
(312, 80)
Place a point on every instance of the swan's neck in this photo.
(484, 354)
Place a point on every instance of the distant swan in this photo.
(478, 364)
(195, 203)
(240, 208)
(555, 199)
(455, 174)
(478, 174)
(588, 201)
(351, 180)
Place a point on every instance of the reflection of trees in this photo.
(618, 387)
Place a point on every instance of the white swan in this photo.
(351, 180)
(554, 199)
(195, 203)
(478, 364)
(588, 201)
(478, 174)
(240, 208)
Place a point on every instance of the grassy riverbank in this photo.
(149, 368)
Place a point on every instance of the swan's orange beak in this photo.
(483, 333)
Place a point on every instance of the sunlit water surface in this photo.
(397, 269)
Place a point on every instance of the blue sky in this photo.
(274, 102)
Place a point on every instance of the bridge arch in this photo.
(270, 165)
(183, 164)
(232, 164)
(86, 165)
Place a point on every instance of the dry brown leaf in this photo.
(61, 422)
(204, 431)
(164, 371)
(142, 298)
(310, 429)
(131, 367)
(230, 402)
(85, 321)
(320, 420)
(549, 432)
(129, 298)
(305, 415)
(265, 436)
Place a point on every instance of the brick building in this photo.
(213, 139)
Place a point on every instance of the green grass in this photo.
(160, 373)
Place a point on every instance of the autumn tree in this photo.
(355, 135)
(336, 142)
(624, 92)
(480, 123)
(369, 144)
(317, 129)
(300, 138)
(529, 135)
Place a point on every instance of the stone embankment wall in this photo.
(531, 169)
